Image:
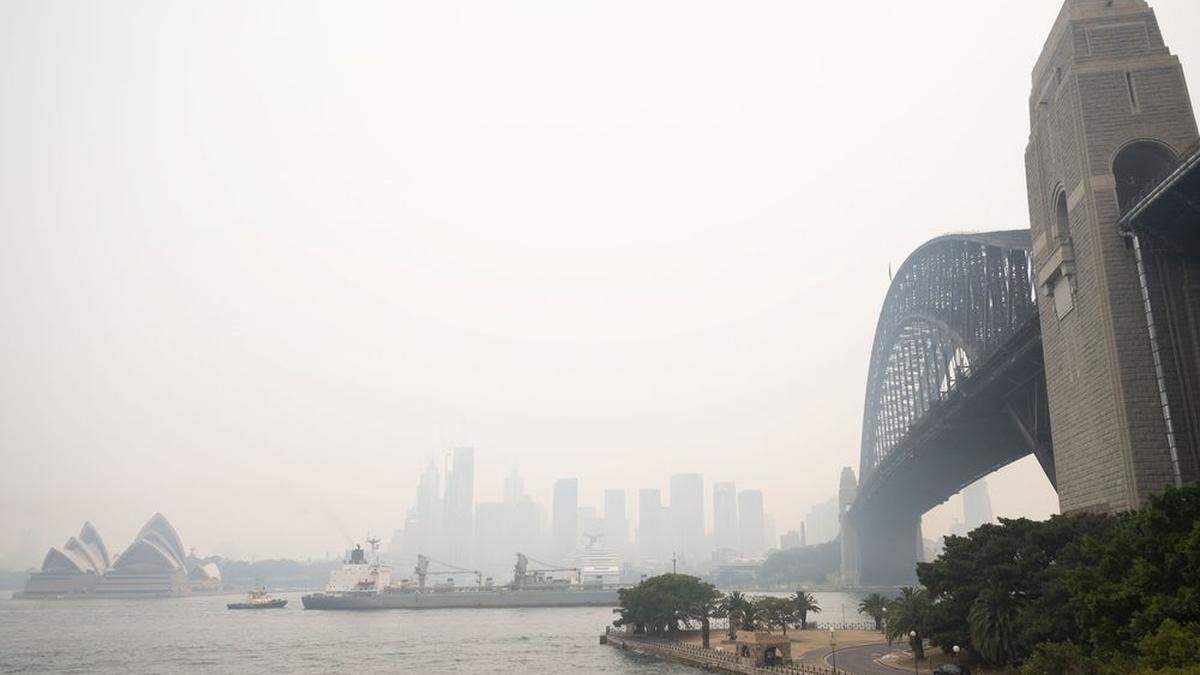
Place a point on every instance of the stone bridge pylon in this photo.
(1078, 340)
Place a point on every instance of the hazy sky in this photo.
(259, 262)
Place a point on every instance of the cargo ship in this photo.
(367, 584)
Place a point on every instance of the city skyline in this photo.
(640, 525)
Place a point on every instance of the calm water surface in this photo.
(199, 635)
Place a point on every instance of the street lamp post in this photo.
(912, 641)
(833, 650)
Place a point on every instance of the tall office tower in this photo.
(514, 487)
(770, 536)
(564, 528)
(822, 521)
(459, 506)
(803, 536)
(652, 531)
(977, 504)
(491, 539)
(790, 540)
(522, 520)
(687, 515)
(616, 525)
(725, 516)
(423, 520)
(751, 522)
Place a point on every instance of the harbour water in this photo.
(198, 634)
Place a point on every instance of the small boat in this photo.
(259, 598)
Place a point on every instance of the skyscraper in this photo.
(651, 536)
(790, 540)
(977, 504)
(725, 516)
(564, 532)
(459, 506)
(687, 515)
(751, 522)
(514, 487)
(616, 525)
(770, 535)
(822, 521)
(522, 520)
(423, 520)
(492, 538)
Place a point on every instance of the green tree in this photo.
(734, 607)
(908, 619)
(752, 615)
(874, 606)
(662, 604)
(1056, 658)
(1022, 555)
(775, 612)
(1144, 569)
(703, 603)
(804, 565)
(1171, 646)
(803, 604)
(993, 620)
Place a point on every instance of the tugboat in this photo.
(259, 598)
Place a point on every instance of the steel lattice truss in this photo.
(951, 305)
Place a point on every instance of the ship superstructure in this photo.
(597, 566)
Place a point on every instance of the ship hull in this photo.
(462, 599)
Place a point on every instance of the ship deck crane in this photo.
(522, 573)
(422, 571)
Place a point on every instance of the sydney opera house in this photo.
(154, 565)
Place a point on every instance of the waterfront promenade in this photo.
(687, 650)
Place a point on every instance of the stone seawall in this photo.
(708, 659)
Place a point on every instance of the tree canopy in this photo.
(1084, 589)
(804, 565)
(663, 604)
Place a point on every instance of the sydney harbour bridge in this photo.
(1076, 340)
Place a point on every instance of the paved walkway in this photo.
(861, 660)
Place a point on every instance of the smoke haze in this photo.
(261, 262)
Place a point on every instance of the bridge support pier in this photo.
(889, 548)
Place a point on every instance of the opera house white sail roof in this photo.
(155, 564)
(85, 554)
(156, 548)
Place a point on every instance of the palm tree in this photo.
(734, 607)
(704, 608)
(752, 614)
(992, 621)
(907, 617)
(874, 606)
(802, 604)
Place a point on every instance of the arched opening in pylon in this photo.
(1138, 168)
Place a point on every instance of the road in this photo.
(861, 660)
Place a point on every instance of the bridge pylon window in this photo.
(1062, 217)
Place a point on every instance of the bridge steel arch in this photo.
(955, 390)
